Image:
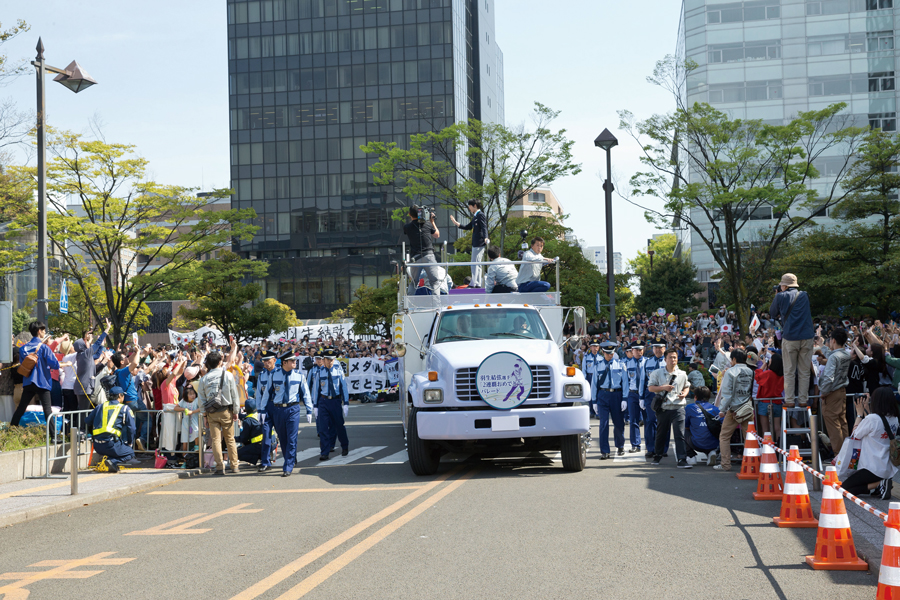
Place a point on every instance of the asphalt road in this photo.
(484, 527)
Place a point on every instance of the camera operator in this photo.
(479, 228)
(421, 233)
(791, 306)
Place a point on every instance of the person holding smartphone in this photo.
(876, 424)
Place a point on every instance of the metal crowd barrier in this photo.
(76, 420)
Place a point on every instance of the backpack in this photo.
(894, 444)
(26, 365)
(216, 401)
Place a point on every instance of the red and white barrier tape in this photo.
(842, 491)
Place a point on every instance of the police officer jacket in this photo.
(251, 430)
(589, 362)
(338, 381)
(651, 363)
(264, 387)
(609, 375)
(634, 371)
(291, 388)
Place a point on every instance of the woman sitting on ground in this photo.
(875, 472)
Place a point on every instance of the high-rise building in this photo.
(771, 59)
(313, 80)
(597, 255)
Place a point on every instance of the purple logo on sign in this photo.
(504, 380)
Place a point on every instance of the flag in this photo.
(754, 324)
(726, 328)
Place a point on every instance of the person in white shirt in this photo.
(500, 278)
(530, 274)
(875, 474)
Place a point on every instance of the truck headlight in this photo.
(572, 390)
(434, 396)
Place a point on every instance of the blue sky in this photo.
(163, 84)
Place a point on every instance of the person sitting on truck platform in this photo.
(500, 278)
(530, 274)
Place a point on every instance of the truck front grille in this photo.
(541, 384)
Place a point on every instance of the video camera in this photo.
(424, 214)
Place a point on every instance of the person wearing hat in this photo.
(791, 306)
(113, 429)
(265, 397)
(589, 366)
(634, 392)
(652, 363)
(331, 402)
(318, 370)
(608, 399)
(251, 436)
(291, 390)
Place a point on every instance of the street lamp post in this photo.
(76, 79)
(607, 140)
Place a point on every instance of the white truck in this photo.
(480, 372)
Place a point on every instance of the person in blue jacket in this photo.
(38, 383)
(608, 399)
(700, 443)
(331, 403)
(265, 397)
(589, 366)
(251, 434)
(651, 363)
(633, 389)
(113, 428)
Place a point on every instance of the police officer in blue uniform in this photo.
(633, 390)
(331, 402)
(315, 372)
(113, 427)
(589, 366)
(651, 363)
(265, 397)
(609, 400)
(291, 390)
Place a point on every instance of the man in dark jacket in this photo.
(479, 228)
(792, 307)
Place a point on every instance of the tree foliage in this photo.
(21, 318)
(115, 223)
(715, 175)
(671, 283)
(502, 164)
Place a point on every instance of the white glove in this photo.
(597, 408)
(624, 405)
(316, 413)
(309, 417)
(346, 409)
(641, 404)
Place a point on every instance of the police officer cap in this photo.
(658, 345)
(116, 391)
(267, 354)
(608, 346)
(595, 343)
(637, 346)
(289, 355)
(329, 352)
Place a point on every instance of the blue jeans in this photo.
(534, 286)
(609, 405)
(634, 415)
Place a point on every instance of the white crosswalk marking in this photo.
(354, 454)
(394, 459)
(308, 453)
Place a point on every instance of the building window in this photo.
(751, 91)
(836, 44)
(880, 40)
(833, 7)
(839, 85)
(729, 53)
(881, 82)
(879, 4)
(883, 121)
(743, 11)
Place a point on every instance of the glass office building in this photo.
(313, 80)
(770, 59)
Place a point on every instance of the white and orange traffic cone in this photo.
(796, 510)
(750, 461)
(889, 575)
(835, 550)
(770, 486)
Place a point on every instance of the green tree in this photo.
(718, 175)
(122, 222)
(21, 318)
(373, 308)
(856, 265)
(671, 283)
(502, 164)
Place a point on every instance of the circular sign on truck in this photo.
(503, 380)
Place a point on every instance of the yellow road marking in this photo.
(289, 569)
(62, 570)
(182, 526)
(51, 486)
(308, 584)
(306, 491)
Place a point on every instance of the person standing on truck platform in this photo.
(530, 273)
(479, 228)
(421, 234)
(607, 395)
(589, 366)
(331, 402)
(634, 393)
(651, 363)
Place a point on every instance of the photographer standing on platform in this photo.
(479, 228)
(792, 307)
(421, 231)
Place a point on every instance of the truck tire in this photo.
(574, 452)
(424, 457)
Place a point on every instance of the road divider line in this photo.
(293, 567)
(310, 583)
(305, 491)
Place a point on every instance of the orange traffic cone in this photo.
(750, 462)
(889, 575)
(770, 486)
(796, 510)
(835, 550)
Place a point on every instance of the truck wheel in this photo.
(424, 457)
(574, 452)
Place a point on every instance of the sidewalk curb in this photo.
(84, 499)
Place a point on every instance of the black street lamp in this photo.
(76, 79)
(607, 140)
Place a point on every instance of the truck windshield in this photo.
(491, 323)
